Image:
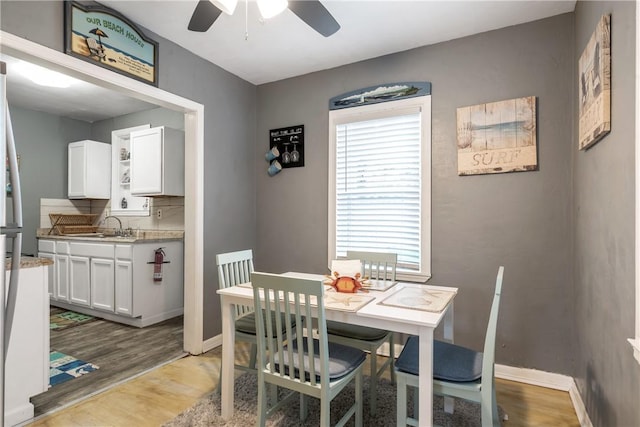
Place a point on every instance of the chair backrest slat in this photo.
(376, 265)
(488, 357)
(235, 268)
(301, 299)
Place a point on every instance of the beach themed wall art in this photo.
(102, 36)
(381, 93)
(497, 137)
(594, 67)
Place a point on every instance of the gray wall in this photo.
(101, 130)
(564, 232)
(607, 375)
(519, 220)
(229, 118)
(41, 142)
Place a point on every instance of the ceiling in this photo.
(77, 102)
(284, 46)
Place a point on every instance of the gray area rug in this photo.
(207, 411)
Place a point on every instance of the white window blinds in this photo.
(378, 187)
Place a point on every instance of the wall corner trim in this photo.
(548, 380)
(534, 377)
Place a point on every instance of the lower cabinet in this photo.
(102, 284)
(116, 281)
(79, 280)
(91, 278)
(51, 271)
(124, 287)
(62, 275)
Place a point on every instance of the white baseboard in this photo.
(578, 405)
(534, 377)
(212, 343)
(548, 380)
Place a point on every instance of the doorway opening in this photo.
(194, 175)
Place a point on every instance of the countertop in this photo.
(141, 236)
(28, 262)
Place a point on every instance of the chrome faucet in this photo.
(119, 231)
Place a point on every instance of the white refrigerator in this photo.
(10, 230)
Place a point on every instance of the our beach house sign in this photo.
(104, 37)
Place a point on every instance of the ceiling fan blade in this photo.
(203, 16)
(315, 15)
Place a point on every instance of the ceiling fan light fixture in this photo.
(270, 8)
(227, 6)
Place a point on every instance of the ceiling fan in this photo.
(312, 12)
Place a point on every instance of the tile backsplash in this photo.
(172, 217)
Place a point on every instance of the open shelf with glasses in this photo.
(122, 202)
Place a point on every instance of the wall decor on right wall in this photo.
(594, 67)
(497, 137)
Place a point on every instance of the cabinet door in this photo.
(146, 161)
(102, 283)
(79, 280)
(124, 287)
(77, 174)
(51, 273)
(61, 289)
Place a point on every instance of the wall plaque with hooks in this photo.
(290, 145)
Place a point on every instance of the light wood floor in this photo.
(159, 395)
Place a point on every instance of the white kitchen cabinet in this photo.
(102, 284)
(61, 285)
(62, 277)
(46, 249)
(91, 281)
(124, 287)
(79, 280)
(115, 281)
(89, 170)
(157, 162)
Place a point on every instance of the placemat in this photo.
(419, 299)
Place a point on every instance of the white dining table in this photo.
(375, 313)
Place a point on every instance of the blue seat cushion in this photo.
(247, 323)
(450, 362)
(342, 359)
(355, 331)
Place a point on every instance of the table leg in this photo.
(228, 359)
(425, 380)
(448, 323)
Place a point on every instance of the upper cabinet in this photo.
(122, 202)
(89, 170)
(157, 162)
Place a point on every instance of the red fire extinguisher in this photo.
(157, 265)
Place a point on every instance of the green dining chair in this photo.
(307, 364)
(457, 371)
(235, 268)
(382, 267)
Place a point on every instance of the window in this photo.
(380, 183)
